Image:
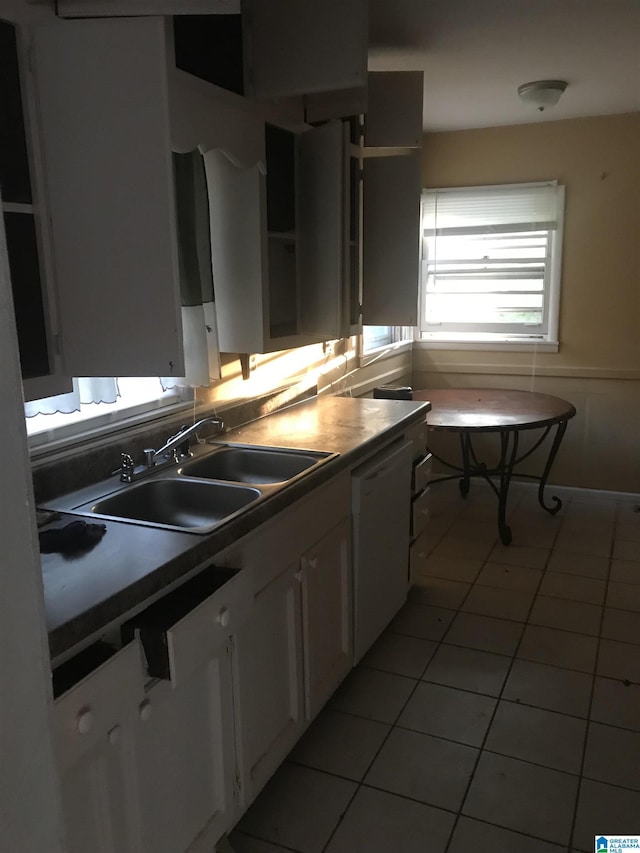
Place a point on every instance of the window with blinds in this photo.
(491, 262)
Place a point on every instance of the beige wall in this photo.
(598, 364)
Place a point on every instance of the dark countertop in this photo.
(132, 564)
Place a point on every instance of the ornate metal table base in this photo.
(470, 412)
(504, 470)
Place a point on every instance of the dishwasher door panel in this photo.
(381, 531)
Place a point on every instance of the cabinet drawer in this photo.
(185, 629)
(422, 472)
(420, 513)
(88, 711)
(417, 434)
(419, 555)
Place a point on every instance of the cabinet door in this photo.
(237, 207)
(321, 193)
(294, 48)
(326, 609)
(394, 109)
(268, 685)
(184, 759)
(92, 725)
(103, 104)
(95, 799)
(381, 521)
(391, 240)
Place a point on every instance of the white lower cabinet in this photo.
(93, 728)
(268, 661)
(164, 746)
(326, 616)
(184, 764)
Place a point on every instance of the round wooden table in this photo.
(473, 411)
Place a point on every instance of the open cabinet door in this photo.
(293, 47)
(391, 240)
(103, 106)
(321, 212)
(29, 785)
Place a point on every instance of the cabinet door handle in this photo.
(144, 710)
(84, 720)
(299, 575)
(115, 735)
(223, 617)
(313, 563)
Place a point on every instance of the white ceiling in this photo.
(475, 54)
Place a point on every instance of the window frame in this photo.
(546, 339)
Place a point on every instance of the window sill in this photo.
(384, 351)
(490, 346)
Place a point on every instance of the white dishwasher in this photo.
(381, 498)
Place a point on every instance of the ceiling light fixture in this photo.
(542, 93)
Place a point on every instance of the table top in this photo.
(492, 409)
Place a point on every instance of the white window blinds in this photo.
(490, 265)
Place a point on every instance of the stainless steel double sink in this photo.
(202, 492)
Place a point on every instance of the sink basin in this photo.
(253, 465)
(182, 504)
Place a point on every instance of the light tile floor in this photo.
(500, 710)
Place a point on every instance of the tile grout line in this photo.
(591, 697)
(392, 726)
(481, 748)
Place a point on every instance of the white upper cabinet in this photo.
(394, 109)
(103, 107)
(391, 228)
(276, 235)
(297, 48)
(320, 193)
(277, 49)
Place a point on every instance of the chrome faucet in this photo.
(181, 439)
(175, 448)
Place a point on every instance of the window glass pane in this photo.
(487, 259)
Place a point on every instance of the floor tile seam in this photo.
(539, 838)
(296, 762)
(394, 672)
(341, 817)
(622, 642)
(416, 800)
(538, 624)
(528, 660)
(501, 698)
(589, 709)
(393, 725)
(478, 583)
(589, 671)
(615, 726)
(610, 784)
(573, 773)
(360, 783)
(624, 609)
(515, 831)
(626, 681)
(578, 574)
(268, 841)
(405, 728)
(493, 716)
